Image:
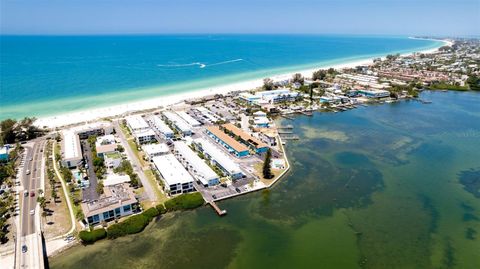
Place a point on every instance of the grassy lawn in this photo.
(258, 172)
(161, 197)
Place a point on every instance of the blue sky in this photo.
(394, 17)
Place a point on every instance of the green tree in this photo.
(268, 84)
(319, 74)
(298, 78)
(100, 188)
(267, 169)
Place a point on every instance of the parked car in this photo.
(25, 194)
(28, 172)
(32, 194)
(32, 212)
(24, 248)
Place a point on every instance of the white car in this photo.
(32, 211)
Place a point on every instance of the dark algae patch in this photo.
(470, 179)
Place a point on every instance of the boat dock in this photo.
(220, 212)
(290, 137)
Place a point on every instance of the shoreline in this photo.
(87, 115)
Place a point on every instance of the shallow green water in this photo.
(374, 187)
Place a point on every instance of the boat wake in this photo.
(199, 64)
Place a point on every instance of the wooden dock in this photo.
(286, 117)
(219, 211)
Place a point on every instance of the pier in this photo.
(220, 212)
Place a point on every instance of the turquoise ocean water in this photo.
(48, 75)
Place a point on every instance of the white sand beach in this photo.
(163, 101)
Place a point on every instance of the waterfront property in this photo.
(154, 150)
(195, 165)
(218, 158)
(178, 123)
(252, 142)
(105, 144)
(269, 97)
(175, 178)
(117, 201)
(372, 93)
(161, 127)
(232, 145)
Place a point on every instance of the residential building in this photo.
(154, 150)
(105, 144)
(97, 128)
(232, 145)
(136, 123)
(114, 179)
(189, 119)
(255, 144)
(116, 202)
(175, 178)
(374, 93)
(178, 123)
(144, 136)
(218, 158)
(161, 127)
(195, 165)
(274, 96)
(71, 149)
(112, 159)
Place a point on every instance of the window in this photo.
(96, 218)
(126, 208)
(117, 211)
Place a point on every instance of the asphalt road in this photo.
(30, 234)
(89, 193)
(137, 166)
(31, 183)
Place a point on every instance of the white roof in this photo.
(152, 149)
(179, 122)
(261, 120)
(147, 132)
(223, 159)
(106, 139)
(189, 119)
(207, 113)
(136, 122)
(114, 179)
(200, 169)
(161, 126)
(171, 170)
(71, 145)
(91, 126)
(3, 150)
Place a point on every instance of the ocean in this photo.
(51, 75)
(383, 186)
